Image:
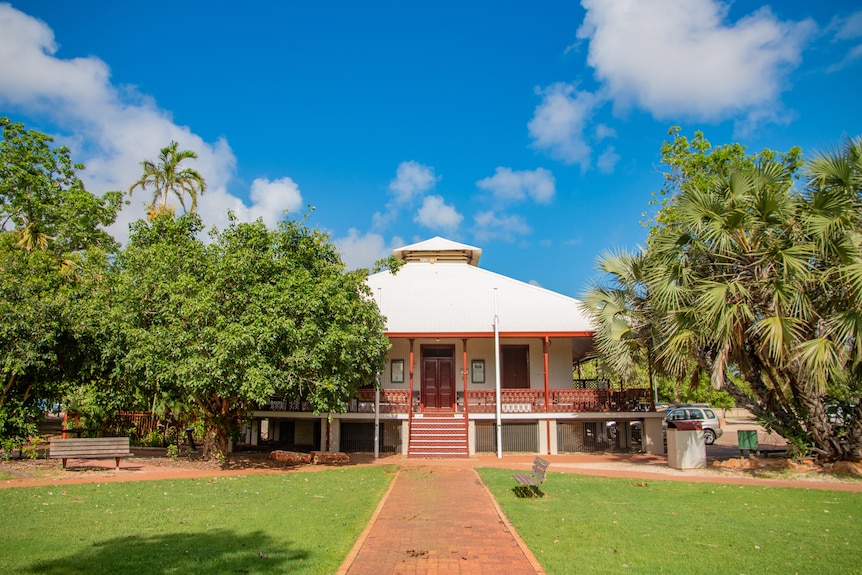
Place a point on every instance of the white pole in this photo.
(377, 418)
(498, 409)
(378, 382)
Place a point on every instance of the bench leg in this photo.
(64, 463)
(525, 490)
(118, 463)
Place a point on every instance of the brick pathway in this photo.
(439, 520)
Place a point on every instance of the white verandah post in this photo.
(498, 408)
(377, 418)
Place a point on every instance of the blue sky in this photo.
(529, 129)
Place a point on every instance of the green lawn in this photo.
(307, 522)
(274, 523)
(599, 525)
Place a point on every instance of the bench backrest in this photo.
(89, 445)
(540, 466)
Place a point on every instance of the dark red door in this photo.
(438, 378)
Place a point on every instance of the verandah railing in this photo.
(559, 400)
(484, 401)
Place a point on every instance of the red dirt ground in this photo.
(25, 473)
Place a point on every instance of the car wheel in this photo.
(709, 436)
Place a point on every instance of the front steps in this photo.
(438, 435)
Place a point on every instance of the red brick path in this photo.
(439, 520)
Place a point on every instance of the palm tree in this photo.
(833, 220)
(625, 324)
(753, 277)
(166, 177)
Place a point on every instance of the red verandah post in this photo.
(410, 399)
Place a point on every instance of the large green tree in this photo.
(228, 325)
(755, 281)
(165, 176)
(52, 228)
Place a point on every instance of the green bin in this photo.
(747, 441)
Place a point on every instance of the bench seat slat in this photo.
(90, 441)
(90, 447)
(84, 454)
(94, 449)
(525, 479)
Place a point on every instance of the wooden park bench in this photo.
(530, 482)
(90, 448)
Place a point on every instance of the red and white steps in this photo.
(438, 435)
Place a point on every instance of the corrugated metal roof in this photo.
(457, 298)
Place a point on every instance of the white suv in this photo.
(705, 415)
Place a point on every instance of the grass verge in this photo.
(600, 525)
(273, 523)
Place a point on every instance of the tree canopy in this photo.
(745, 277)
(213, 328)
(51, 227)
(255, 314)
(43, 202)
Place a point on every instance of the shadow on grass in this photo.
(216, 551)
(524, 491)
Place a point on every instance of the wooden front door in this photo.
(438, 377)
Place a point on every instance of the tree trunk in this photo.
(216, 443)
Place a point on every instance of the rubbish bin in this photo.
(686, 448)
(747, 439)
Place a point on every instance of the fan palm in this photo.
(165, 177)
(753, 276)
(625, 326)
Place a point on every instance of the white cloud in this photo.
(31, 74)
(435, 214)
(854, 54)
(849, 28)
(603, 132)
(412, 179)
(113, 128)
(511, 186)
(558, 123)
(490, 226)
(608, 160)
(682, 58)
(361, 251)
(270, 199)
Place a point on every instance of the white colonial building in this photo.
(479, 362)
